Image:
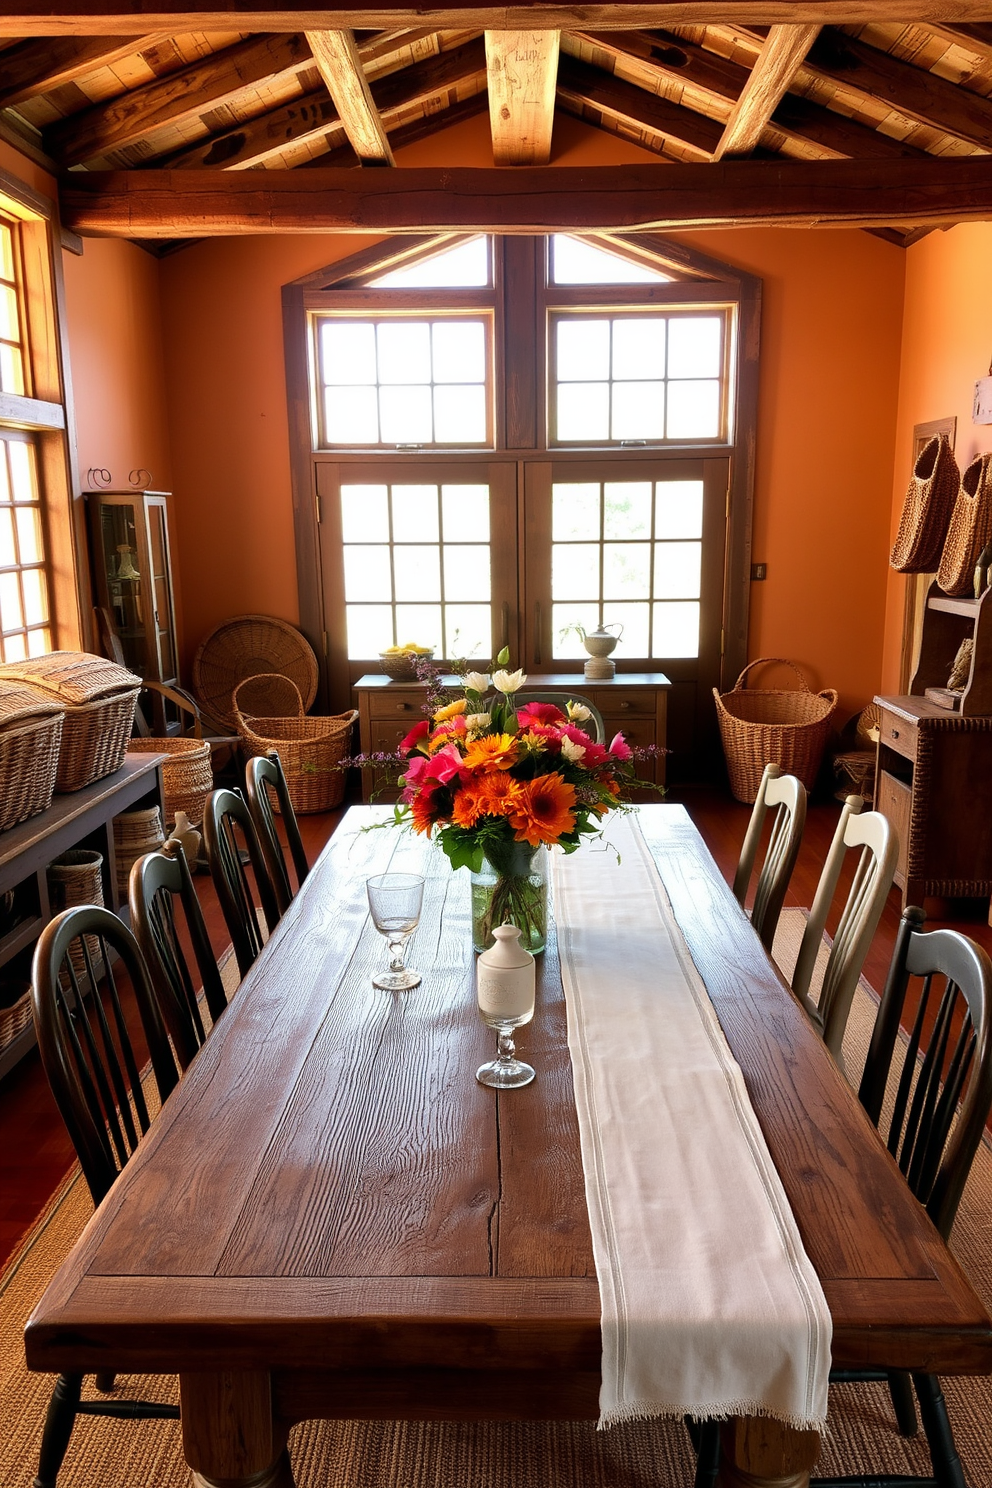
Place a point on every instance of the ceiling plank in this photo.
(580, 84)
(116, 17)
(409, 134)
(777, 64)
(180, 95)
(530, 199)
(37, 66)
(671, 58)
(340, 66)
(521, 68)
(312, 116)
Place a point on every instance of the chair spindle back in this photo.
(227, 824)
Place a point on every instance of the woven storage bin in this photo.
(135, 833)
(99, 698)
(30, 735)
(310, 749)
(970, 529)
(187, 777)
(760, 727)
(14, 1019)
(77, 878)
(926, 512)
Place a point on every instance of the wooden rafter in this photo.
(521, 67)
(36, 66)
(580, 85)
(531, 199)
(340, 66)
(312, 117)
(410, 133)
(778, 62)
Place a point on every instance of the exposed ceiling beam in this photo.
(658, 57)
(313, 116)
(579, 84)
(521, 68)
(531, 199)
(116, 17)
(340, 66)
(180, 95)
(37, 66)
(776, 65)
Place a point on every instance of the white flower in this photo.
(507, 682)
(574, 753)
(477, 723)
(577, 712)
(476, 682)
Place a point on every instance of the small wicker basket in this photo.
(785, 728)
(76, 877)
(30, 736)
(135, 833)
(310, 750)
(99, 698)
(15, 1018)
(187, 777)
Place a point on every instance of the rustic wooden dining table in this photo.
(332, 1219)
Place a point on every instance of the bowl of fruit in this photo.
(400, 662)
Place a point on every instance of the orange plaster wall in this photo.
(947, 344)
(830, 358)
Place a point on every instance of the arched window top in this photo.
(580, 261)
(467, 265)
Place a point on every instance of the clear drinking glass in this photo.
(395, 901)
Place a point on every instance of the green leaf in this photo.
(503, 657)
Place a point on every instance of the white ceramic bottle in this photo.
(505, 990)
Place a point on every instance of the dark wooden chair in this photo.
(228, 833)
(262, 773)
(788, 795)
(559, 699)
(94, 1071)
(157, 881)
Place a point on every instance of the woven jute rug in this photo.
(331, 1454)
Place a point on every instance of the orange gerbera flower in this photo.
(541, 811)
(492, 752)
(485, 795)
(422, 812)
(451, 710)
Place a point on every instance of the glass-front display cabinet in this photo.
(133, 572)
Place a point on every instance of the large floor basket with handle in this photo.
(310, 748)
(762, 726)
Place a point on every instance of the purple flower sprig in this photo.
(428, 672)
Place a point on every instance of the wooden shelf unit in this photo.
(634, 704)
(946, 623)
(81, 819)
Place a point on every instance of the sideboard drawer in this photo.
(898, 734)
(388, 704)
(624, 703)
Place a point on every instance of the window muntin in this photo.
(398, 381)
(628, 552)
(417, 564)
(25, 628)
(12, 336)
(638, 376)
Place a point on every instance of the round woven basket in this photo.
(310, 750)
(76, 877)
(135, 833)
(763, 726)
(187, 778)
(252, 646)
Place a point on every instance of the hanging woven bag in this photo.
(970, 529)
(926, 511)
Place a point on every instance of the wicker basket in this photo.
(30, 736)
(970, 528)
(14, 1019)
(761, 727)
(187, 778)
(99, 698)
(77, 878)
(252, 646)
(310, 750)
(926, 512)
(135, 833)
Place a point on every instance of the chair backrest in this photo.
(941, 1101)
(157, 880)
(83, 1039)
(264, 771)
(859, 919)
(226, 825)
(594, 725)
(788, 795)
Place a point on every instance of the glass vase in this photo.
(511, 889)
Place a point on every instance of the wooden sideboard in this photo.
(634, 703)
(934, 784)
(82, 818)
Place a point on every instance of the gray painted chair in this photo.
(787, 794)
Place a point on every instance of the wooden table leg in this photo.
(229, 1436)
(760, 1453)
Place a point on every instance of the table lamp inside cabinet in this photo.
(132, 564)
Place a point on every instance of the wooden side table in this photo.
(934, 784)
(633, 703)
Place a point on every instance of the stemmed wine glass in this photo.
(395, 901)
(505, 989)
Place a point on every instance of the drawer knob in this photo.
(895, 733)
(625, 704)
(402, 707)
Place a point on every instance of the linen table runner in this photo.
(710, 1305)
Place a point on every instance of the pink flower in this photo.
(444, 765)
(531, 713)
(417, 733)
(594, 755)
(619, 748)
(413, 780)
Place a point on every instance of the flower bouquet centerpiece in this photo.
(496, 783)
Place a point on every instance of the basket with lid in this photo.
(30, 734)
(99, 699)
